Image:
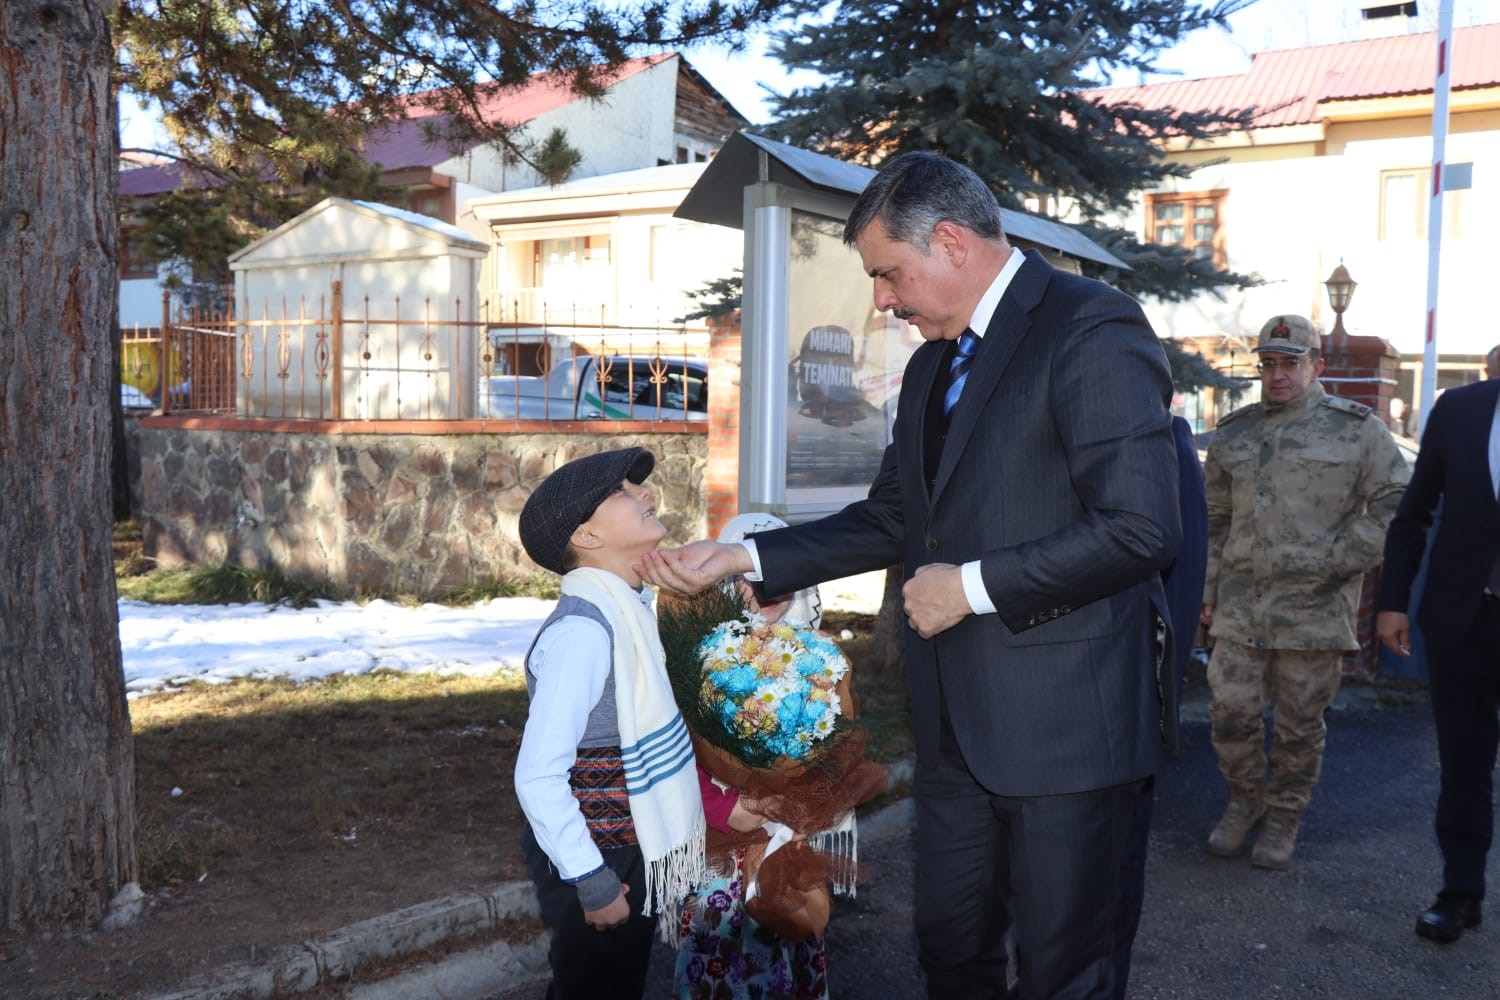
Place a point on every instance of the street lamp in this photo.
(1340, 290)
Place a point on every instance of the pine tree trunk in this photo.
(67, 804)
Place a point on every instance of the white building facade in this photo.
(1336, 169)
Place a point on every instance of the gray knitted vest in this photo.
(603, 729)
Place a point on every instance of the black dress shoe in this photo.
(1448, 917)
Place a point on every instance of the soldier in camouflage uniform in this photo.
(1301, 487)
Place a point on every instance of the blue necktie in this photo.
(958, 370)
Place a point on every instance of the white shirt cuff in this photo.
(754, 576)
(979, 598)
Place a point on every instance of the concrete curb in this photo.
(485, 969)
(334, 957)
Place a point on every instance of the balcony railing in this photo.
(332, 360)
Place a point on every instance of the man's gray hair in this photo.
(915, 191)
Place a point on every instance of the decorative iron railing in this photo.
(333, 360)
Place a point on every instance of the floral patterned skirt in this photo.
(723, 954)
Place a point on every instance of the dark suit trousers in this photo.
(1465, 698)
(589, 964)
(1049, 864)
(1133, 883)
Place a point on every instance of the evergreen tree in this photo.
(1004, 88)
(716, 298)
(556, 159)
(266, 102)
(1192, 372)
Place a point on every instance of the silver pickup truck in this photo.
(612, 387)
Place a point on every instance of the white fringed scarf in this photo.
(666, 806)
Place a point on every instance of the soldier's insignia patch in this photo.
(1348, 406)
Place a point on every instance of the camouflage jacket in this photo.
(1299, 497)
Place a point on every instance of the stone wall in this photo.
(407, 513)
(133, 458)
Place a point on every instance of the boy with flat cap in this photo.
(1301, 487)
(605, 773)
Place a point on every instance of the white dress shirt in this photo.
(571, 662)
(1495, 450)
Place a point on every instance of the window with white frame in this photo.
(1405, 196)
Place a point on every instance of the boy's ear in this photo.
(584, 537)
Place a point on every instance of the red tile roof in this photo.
(158, 178)
(1288, 85)
(400, 145)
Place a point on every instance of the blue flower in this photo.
(736, 682)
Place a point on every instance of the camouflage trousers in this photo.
(1300, 684)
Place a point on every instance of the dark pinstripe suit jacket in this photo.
(1060, 476)
(1453, 466)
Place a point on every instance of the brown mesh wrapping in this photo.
(793, 897)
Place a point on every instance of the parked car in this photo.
(635, 387)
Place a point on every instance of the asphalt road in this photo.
(1338, 924)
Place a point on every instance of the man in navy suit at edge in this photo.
(1458, 466)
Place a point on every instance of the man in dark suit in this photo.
(1459, 466)
(1031, 494)
(1183, 582)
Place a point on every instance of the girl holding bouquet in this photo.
(720, 945)
(724, 950)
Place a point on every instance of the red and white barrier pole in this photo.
(1435, 208)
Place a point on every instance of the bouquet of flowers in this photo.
(772, 711)
(773, 686)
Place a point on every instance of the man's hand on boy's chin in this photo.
(693, 567)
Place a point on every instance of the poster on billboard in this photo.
(844, 367)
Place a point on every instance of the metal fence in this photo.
(177, 368)
(332, 360)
